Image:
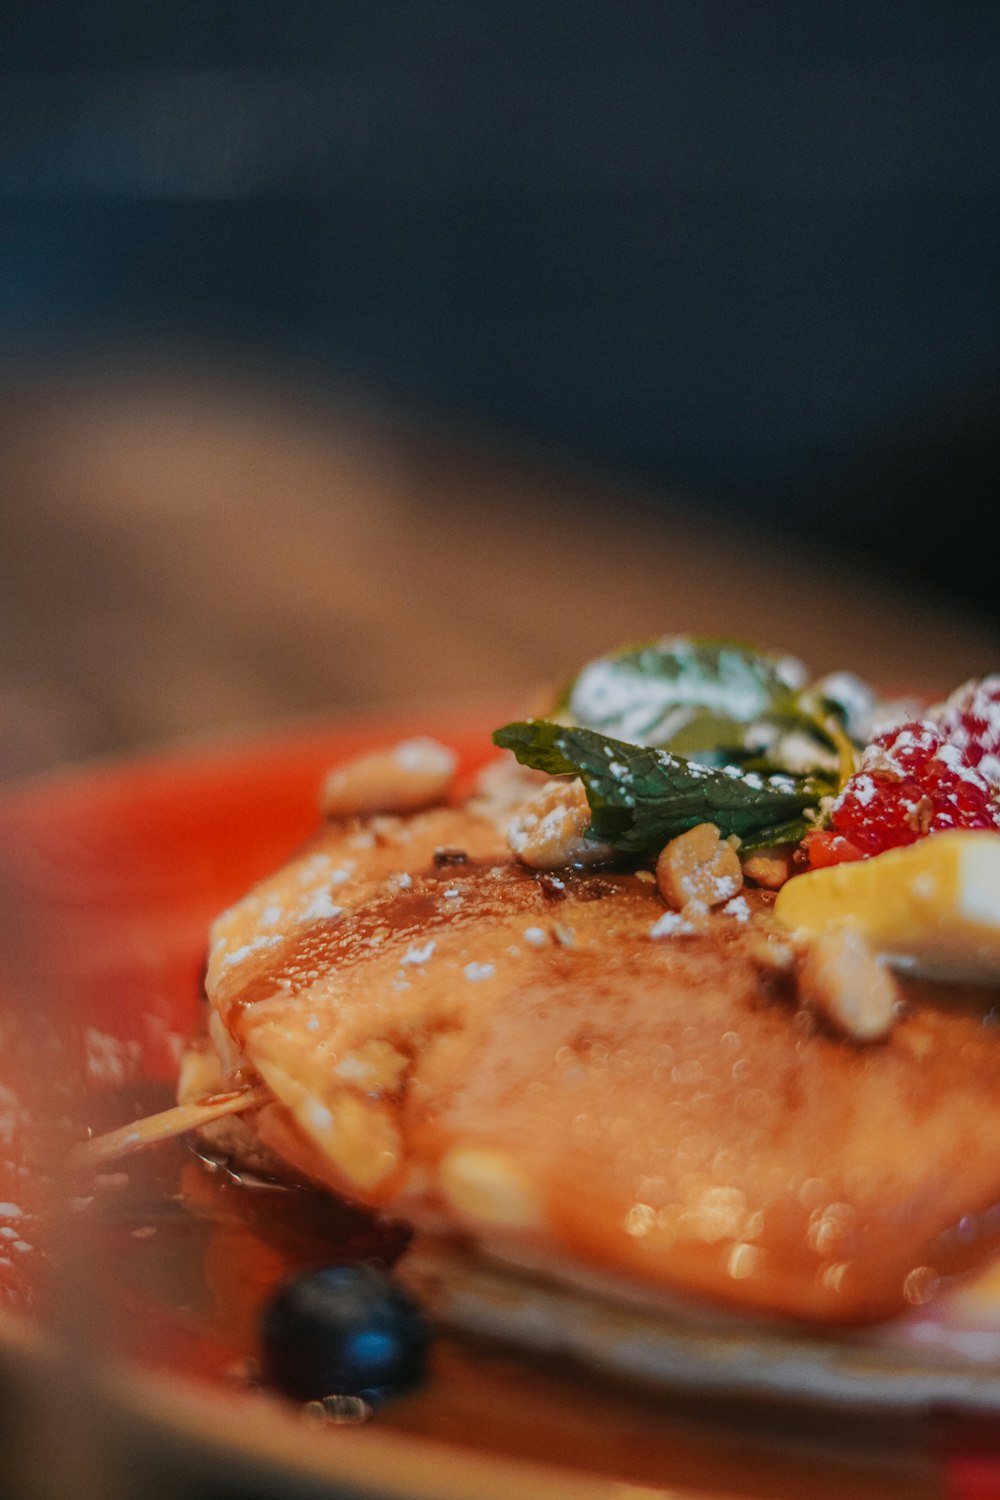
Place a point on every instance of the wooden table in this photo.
(192, 552)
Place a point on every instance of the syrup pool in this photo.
(179, 1254)
(109, 879)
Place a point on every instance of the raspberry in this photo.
(970, 718)
(824, 847)
(912, 781)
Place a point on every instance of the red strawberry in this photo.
(971, 720)
(912, 781)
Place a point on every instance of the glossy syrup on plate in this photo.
(180, 1255)
(119, 871)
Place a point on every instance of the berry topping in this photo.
(912, 780)
(824, 847)
(971, 720)
(343, 1331)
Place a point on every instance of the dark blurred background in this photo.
(357, 351)
(748, 252)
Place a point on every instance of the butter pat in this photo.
(932, 908)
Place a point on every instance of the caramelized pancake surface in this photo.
(516, 1057)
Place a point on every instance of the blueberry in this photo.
(344, 1331)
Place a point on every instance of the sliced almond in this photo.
(487, 1187)
(415, 774)
(841, 979)
(769, 868)
(358, 1136)
(698, 869)
(548, 831)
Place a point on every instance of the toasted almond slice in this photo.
(698, 867)
(549, 831)
(416, 773)
(841, 979)
(488, 1187)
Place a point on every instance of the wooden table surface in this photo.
(189, 553)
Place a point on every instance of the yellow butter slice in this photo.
(932, 908)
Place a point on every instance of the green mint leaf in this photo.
(683, 694)
(641, 797)
(793, 831)
(722, 703)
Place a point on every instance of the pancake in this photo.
(538, 1063)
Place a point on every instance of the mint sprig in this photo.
(718, 702)
(641, 797)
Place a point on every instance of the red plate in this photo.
(109, 876)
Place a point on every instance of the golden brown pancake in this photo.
(519, 1059)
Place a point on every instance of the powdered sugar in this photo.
(971, 717)
(670, 924)
(321, 907)
(418, 954)
(864, 788)
(262, 941)
(646, 708)
(916, 780)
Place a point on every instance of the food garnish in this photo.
(921, 777)
(682, 731)
(841, 980)
(413, 774)
(932, 907)
(568, 1019)
(343, 1331)
(640, 798)
(715, 701)
(698, 867)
